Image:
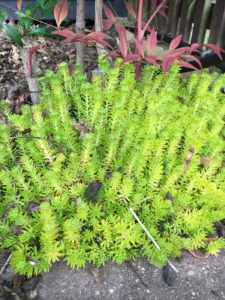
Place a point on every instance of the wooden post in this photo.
(80, 25)
(217, 33)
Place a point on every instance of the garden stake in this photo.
(151, 237)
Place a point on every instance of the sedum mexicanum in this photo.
(72, 165)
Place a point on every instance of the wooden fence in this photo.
(197, 20)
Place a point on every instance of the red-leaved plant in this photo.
(141, 49)
(60, 13)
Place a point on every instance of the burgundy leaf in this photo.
(122, 42)
(19, 4)
(99, 37)
(217, 50)
(132, 57)
(151, 41)
(194, 47)
(130, 8)
(109, 13)
(167, 61)
(152, 60)
(180, 51)
(139, 47)
(192, 57)
(186, 64)
(175, 42)
(106, 24)
(112, 54)
(69, 35)
(61, 11)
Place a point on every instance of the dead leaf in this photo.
(188, 158)
(15, 55)
(169, 197)
(19, 4)
(205, 161)
(17, 229)
(82, 127)
(169, 275)
(33, 207)
(92, 190)
(17, 281)
(96, 274)
(181, 99)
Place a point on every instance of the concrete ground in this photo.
(137, 280)
(197, 279)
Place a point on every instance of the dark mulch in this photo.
(50, 52)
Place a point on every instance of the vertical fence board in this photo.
(221, 37)
(161, 24)
(217, 25)
(173, 17)
(187, 18)
(200, 20)
(119, 7)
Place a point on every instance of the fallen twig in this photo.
(198, 256)
(5, 265)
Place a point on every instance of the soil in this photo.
(50, 52)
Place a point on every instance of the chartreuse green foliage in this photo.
(134, 137)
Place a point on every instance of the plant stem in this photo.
(151, 18)
(31, 79)
(5, 265)
(80, 24)
(140, 10)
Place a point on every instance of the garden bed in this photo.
(78, 203)
(13, 84)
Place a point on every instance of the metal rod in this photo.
(150, 236)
